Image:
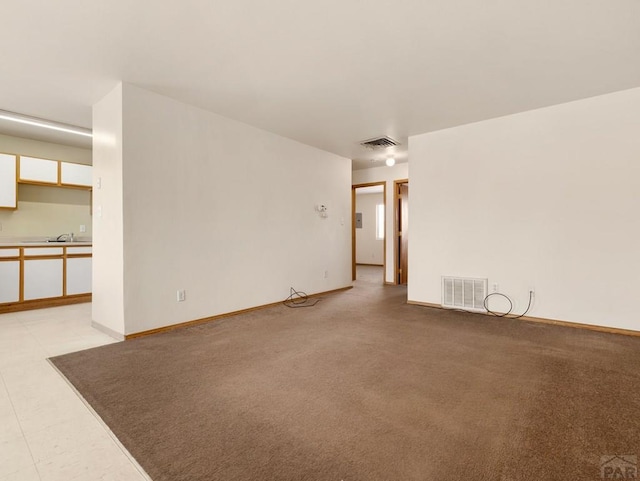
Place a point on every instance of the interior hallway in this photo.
(369, 274)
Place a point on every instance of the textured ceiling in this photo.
(328, 74)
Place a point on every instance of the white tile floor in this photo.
(47, 433)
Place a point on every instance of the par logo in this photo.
(619, 466)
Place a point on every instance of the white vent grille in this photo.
(464, 293)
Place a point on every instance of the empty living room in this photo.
(184, 193)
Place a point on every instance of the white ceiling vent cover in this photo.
(464, 293)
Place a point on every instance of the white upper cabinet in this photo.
(8, 197)
(38, 170)
(44, 171)
(75, 174)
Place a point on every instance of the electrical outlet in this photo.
(83, 228)
(532, 291)
(494, 286)
(181, 295)
(326, 274)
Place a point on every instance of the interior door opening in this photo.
(368, 226)
(401, 237)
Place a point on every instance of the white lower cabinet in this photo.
(42, 272)
(42, 278)
(9, 281)
(78, 275)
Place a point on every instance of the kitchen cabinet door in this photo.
(78, 275)
(8, 184)
(9, 281)
(38, 170)
(75, 174)
(42, 278)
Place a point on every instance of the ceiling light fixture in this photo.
(390, 162)
(46, 124)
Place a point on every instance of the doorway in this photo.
(368, 226)
(401, 231)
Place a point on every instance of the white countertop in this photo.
(43, 244)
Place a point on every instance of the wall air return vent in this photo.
(464, 293)
(379, 143)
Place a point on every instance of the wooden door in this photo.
(402, 206)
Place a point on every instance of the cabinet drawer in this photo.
(42, 251)
(79, 250)
(10, 252)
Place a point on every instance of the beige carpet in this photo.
(365, 387)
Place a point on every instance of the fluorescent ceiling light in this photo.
(390, 162)
(46, 124)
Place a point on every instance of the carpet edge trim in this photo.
(111, 434)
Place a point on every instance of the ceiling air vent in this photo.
(379, 143)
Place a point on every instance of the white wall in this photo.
(369, 250)
(221, 209)
(545, 199)
(47, 211)
(108, 247)
(388, 175)
(46, 150)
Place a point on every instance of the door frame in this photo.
(353, 227)
(396, 233)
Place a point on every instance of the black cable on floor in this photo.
(506, 314)
(499, 314)
(299, 299)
